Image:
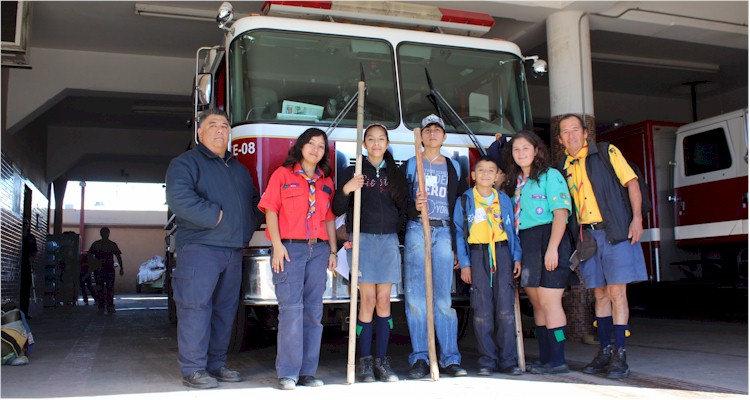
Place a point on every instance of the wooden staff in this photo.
(519, 332)
(354, 276)
(434, 371)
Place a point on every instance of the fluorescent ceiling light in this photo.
(154, 10)
(654, 62)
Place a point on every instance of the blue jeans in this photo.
(299, 290)
(206, 285)
(446, 322)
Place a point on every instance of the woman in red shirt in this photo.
(300, 226)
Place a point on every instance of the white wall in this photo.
(54, 70)
(633, 109)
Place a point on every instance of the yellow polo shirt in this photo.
(579, 185)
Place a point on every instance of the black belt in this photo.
(482, 246)
(595, 227)
(436, 223)
(305, 241)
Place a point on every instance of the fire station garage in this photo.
(98, 93)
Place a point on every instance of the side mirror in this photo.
(203, 87)
(225, 15)
(538, 67)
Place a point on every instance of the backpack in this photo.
(642, 184)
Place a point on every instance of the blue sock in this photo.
(620, 335)
(556, 338)
(604, 330)
(541, 337)
(364, 334)
(383, 326)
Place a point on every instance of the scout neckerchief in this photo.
(311, 193)
(520, 183)
(490, 231)
(576, 170)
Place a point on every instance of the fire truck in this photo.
(696, 232)
(297, 66)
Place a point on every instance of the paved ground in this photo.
(81, 354)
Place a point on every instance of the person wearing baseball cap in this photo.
(443, 184)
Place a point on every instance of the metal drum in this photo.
(258, 285)
(257, 282)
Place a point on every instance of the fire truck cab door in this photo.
(711, 179)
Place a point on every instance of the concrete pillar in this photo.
(59, 186)
(571, 91)
(570, 84)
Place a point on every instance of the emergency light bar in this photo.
(412, 16)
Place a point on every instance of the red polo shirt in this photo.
(287, 193)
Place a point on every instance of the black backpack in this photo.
(645, 192)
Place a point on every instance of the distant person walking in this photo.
(103, 252)
(214, 202)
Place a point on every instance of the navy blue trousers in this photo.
(206, 285)
(494, 315)
(299, 290)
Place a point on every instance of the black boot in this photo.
(383, 370)
(364, 370)
(618, 367)
(600, 363)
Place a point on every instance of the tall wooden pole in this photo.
(355, 239)
(434, 371)
(519, 332)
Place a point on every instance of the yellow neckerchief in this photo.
(487, 226)
(580, 186)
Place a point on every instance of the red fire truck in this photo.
(297, 66)
(696, 232)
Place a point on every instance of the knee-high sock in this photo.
(364, 334)
(557, 345)
(604, 330)
(383, 326)
(620, 335)
(543, 341)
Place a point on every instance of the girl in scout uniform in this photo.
(541, 204)
(300, 226)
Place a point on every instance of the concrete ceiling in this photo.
(711, 32)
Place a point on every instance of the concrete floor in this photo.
(81, 354)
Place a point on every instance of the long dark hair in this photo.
(396, 180)
(295, 153)
(541, 163)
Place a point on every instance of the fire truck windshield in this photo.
(486, 88)
(307, 78)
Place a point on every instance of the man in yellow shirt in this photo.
(613, 216)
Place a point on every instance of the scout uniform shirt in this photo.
(288, 194)
(487, 225)
(539, 198)
(580, 187)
